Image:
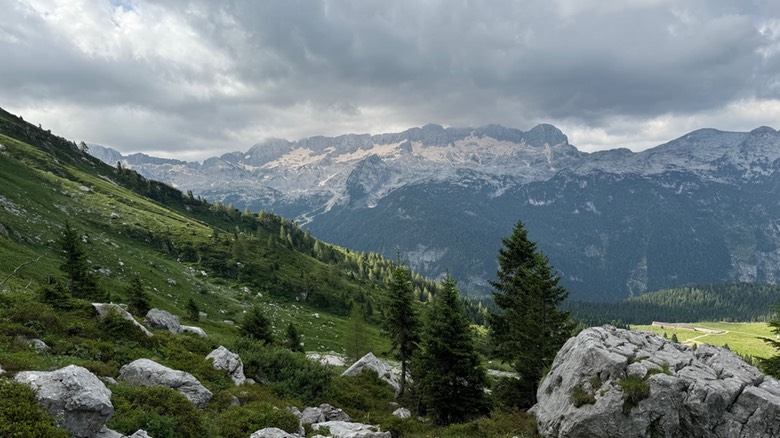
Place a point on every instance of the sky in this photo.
(194, 79)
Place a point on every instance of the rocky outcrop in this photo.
(370, 362)
(343, 429)
(104, 309)
(272, 432)
(162, 320)
(320, 414)
(76, 398)
(608, 382)
(224, 359)
(145, 372)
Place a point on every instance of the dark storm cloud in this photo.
(203, 76)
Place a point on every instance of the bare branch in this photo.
(29, 262)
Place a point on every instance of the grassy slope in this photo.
(742, 337)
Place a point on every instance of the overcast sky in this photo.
(192, 79)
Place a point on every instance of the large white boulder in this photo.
(707, 392)
(224, 359)
(76, 398)
(371, 362)
(145, 372)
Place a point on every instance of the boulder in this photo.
(192, 329)
(402, 413)
(609, 382)
(103, 310)
(331, 359)
(162, 320)
(140, 433)
(39, 345)
(320, 414)
(224, 359)
(343, 429)
(109, 433)
(76, 398)
(370, 362)
(272, 432)
(145, 372)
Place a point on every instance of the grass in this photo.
(742, 337)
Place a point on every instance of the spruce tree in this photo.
(193, 311)
(452, 378)
(529, 329)
(293, 340)
(401, 321)
(81, 283)
(256, 326)
(137, 299)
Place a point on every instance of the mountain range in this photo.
(703, 208)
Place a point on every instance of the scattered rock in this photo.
(675, 391)
(272, 432)
(162, 320)
(320, 414)
(108, 380)
(78, 401)
(196, 330)
(343, 429)
(402, 413)
(172, 281)
(36, 344)
(224, 359)
(140, 433)
(109, 433)
(2, 371)
(234, 401)
(103, 310)
(145, 372)
(115, 215)
(370, 362)
(331, 358)
(203, 315)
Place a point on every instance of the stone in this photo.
(224, 359)
(331, 359)
(383, 370)
(272, 432)
(104, 309)
(109, 433)
(2, 371)
(322, 413)
(39, 345)
(108, 380)
(402, 413)
(343, 429)
(707, 392)
(196, 330)
(145, 372)
(140, 433)
(76, 398)
(162, 320)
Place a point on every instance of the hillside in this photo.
(701, 209)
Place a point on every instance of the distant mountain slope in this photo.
(703, 208)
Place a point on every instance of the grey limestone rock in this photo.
(320, 414)
(104, 309)
(145, 372)
(192, 329)
(162, 320)
(384, 370)
(343, 429)
(402, 413)
(76, 398)
(707, 392)
(272, 432)
(224, 359)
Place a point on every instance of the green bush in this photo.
(289, 374)
(241, 421)
(21, 416)
(365, 392)
(635, 389)
(160, 411)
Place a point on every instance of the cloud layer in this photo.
(197, 78)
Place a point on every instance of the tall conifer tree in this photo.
(401, 322)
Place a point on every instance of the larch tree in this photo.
(529, 329)
(452, 378)
(401, 322)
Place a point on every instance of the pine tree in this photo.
(293, 340)
(452, 378)
(401, 321)
(81, 282)
(256, 326)
(193, 311)
(529, 329)
(137, 299)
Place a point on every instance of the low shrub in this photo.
(242, 421)
(161, 411)
(21, 416)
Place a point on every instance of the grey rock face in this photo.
(145, 372)
(320, 414)
(369, 361)
(707, 392)
(343, 429)
(76, 398)
(162, 320)
(272, 432)
(224, 359)
(103, 310)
